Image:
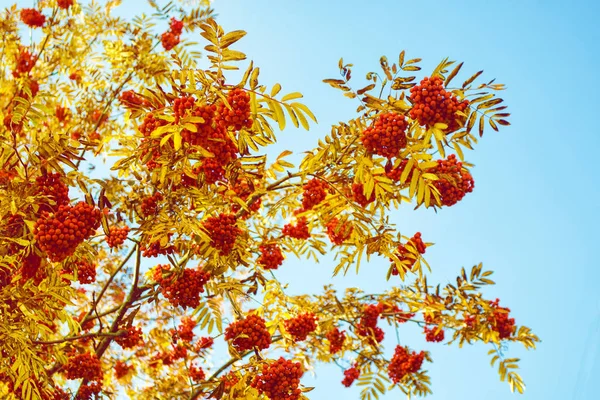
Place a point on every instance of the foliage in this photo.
(122, 280)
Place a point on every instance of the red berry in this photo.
(338, 232)
(403, 363)
(248, 333)
(32, 17)
(433, 104)
(336, 340)
(270, 257)
(223, 232)
(315, 192)
(386, 136)
(350, 375)
(280, 380)
(301, 326)
(298, 231)
(181, 290)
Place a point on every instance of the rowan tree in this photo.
(124, 279)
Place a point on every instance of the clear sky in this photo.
(534, 212)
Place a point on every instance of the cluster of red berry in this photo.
(223, 232)
(403, 363)
(500, 321)
(121, 369)
(315, 191)
(338, 232)
(434, 334)
(86, 272)
(52, 187)
(270, 256)
(280, 380)
(185, 330)
(60, 233)
(386, 136)
(230, 380)
(130, 99)
(62, 113)
(301, 326)
(204, 343)
(154, 249)
(399, 315)
(243, 189)
(367, 326)
(406, 253)
(396, 173)
(453, 181)
(238, 117)
(24, 63)
(86, 366)
(433, 104)
(171, 37)
(358, 195)
(34, 88)
(336, 340)
(150, 204)
(298, 231)
(350, 375)
(88, 391)
(64, 4)
(32, 18)
(117, 236)
(249, 333)
(197, 373)
(150, 124)
(184, 289)
(131, 338)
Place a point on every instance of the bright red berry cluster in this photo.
(129, 98)
(204, 129)
(254, 331)
(367, 326)
(350, 375)
(25, 62)
(223, 232)
(86, 272)
(60, 233)
(301, 326)
(386, 136)
(171, 38)
(453, 181)
(197, 373)
(86, 366)
(433, 104)
(61, 113)
(150, 204)
(117, 236)
(396, 173)
(238, 117)
(52, 187)
(204, 343)
(243, 188)
(358, 195)
(88, 391)
(298, 231)
(183, 289)
(154, 249)
(64, 4)
(185, 330)
(336, 340)
(403, 363)
(130, 339)
(500, 320)
(280, 380)
(270, 256)
(32, 17)
(406, 256)
(315, 192)
(181, 105)
(122, 369)
(338, 232)
(433, 334)
(150, 124)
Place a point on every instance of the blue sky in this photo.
(534, 212)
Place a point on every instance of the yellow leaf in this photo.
(291, 96)
(275, 90)
(231, 38)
